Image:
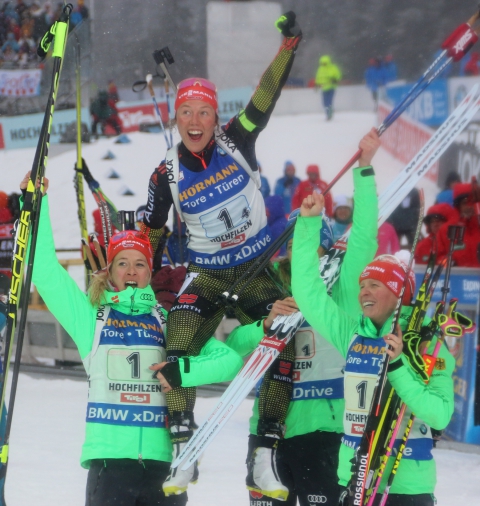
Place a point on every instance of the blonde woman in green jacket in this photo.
(120, 332)
(362, 342)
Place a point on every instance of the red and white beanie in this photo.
(391, 270)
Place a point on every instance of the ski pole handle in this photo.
(57, 30)
(460, 41)
(150, 85)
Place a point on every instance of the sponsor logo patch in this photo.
(135, 398)
(357, 428)
(187, 298)
(232, 242)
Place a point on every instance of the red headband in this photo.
(196, 88)
(130, 239)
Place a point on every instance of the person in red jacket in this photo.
(463, 214)
(436, 216)
(306, 188)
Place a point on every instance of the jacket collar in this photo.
(131, 301)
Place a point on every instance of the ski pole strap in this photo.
(411, 344)
(44, 44)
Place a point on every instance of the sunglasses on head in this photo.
(120, 236)
(196, 81)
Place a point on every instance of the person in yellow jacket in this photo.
(327, 78)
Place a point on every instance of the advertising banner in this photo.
(20, 83)
(233, 100)
(133, 114)
(23, 131)
(430, 108)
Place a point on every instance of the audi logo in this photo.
(318, 499)
(146, 296)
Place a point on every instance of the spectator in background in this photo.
(306, 188)
(464, 199)
(405, 217)
(327, 78)
(276, 218)
(10, 43)
(472, 66)
(104, 112)
(265, 187)
(389, 69)
(374, 78)
(112, 91)
(40, 25)
(388, 243)
(446, 195)
(342, 215)
(6, 215)
(285, 186)
(436, 216)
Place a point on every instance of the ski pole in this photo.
(160, 56)
(354, 493)
(28, 225)
(424, 296)
(157, 109)
(455, 235)
(167, 97)
(78, 179)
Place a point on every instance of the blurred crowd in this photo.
(22, 25)
(9, 212)
(457, 204)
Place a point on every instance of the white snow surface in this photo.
(48, 425)
(304, 139)
(47, 434)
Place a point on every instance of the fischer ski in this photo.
(27, 229)
(282, 331)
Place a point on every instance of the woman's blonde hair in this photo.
(98, 285)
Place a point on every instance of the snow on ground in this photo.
(47, 434)
(304, 139)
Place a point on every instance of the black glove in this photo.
(287, 25)
(86, 173)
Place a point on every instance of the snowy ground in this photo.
(47, 435)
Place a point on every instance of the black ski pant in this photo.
(196, 314)
(127, 482)
(307, 466)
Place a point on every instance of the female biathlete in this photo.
(120, 333)
(307, 458)
(362, 341)
(212, 178)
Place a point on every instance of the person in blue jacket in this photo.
(286, 185)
